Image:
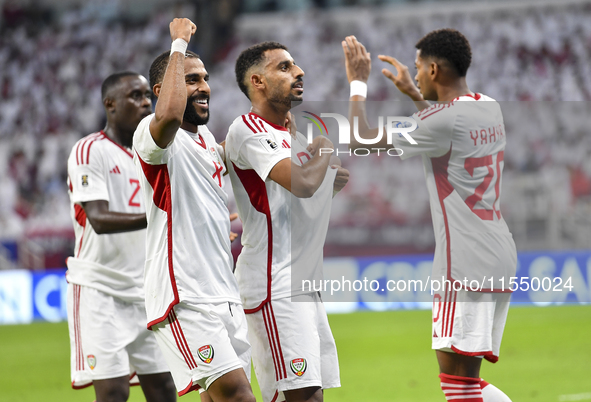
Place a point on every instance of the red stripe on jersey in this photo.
(105, 136)
(275, 126)
(437, 110)
(80, 216)
(257, 193)
(282, 360)
(80, 148)
(444, 189)
(272, 345)
(260, 122)
(254, 123)
(158, 178)
(249, 126)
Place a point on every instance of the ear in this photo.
(109, 104)
(257, 81)
(157, 89)
(434, 70)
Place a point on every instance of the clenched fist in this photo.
(182, 28)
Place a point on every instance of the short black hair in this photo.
(112, 80)
(251, 57)
(158, 67)
(447, 44)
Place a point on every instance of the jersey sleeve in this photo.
(257, 151)
(146, 148)
(433, 135)
(88, 179)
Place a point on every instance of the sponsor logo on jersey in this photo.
(285, 144)
(91, 361)
(269, 144)
(298, 366)
(115, 170)
(85, 180)
(206, 353)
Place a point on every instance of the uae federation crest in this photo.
(206, 353)
(91, 361)
(298, 366)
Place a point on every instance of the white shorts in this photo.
(469, 323)
(202, 342)
(109, 338)
(292, 346)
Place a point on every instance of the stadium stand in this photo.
(53, 65)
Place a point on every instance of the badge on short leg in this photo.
(91, 361)
(206, 353)
(298, 366)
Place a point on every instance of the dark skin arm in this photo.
(104, 221)
(172, 93)
(358, 66)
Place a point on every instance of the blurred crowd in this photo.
(52, 69)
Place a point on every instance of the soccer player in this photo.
(461, 139)
(106, 311)
(294, 352)
(192, 296)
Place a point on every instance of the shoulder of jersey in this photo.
(441, 109)
(81, 150)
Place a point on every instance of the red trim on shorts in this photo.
(181, 341)
(275, 126)
(77, 333)
(257, 194)
(275, 396)
(158, 178)
(122, 148)
(190, 387)
(274, 342)
(81, 386)
(488, 355)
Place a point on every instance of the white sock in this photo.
(490, 393)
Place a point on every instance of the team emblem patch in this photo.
(85, 180)
(206, 353)
(269, 144)
(298, 366)
(91, 361)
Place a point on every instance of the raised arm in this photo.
(358, 66)
(104, 221)
(172, 93)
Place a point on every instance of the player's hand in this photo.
(290, 124)
(233, 235)
(182, 28)
(357, 60)
(403, 80)
(335, 161)
(319, 142)
(341, 179)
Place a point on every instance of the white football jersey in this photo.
(100, 169)
(272, 245)
(188, 252)
(462, 144)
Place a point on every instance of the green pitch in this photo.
(545, 356)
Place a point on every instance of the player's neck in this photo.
(270, 113)
(189, 127)
(450, 92)
(119, 137)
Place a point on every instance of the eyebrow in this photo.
(196, 76)
(285, 63)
